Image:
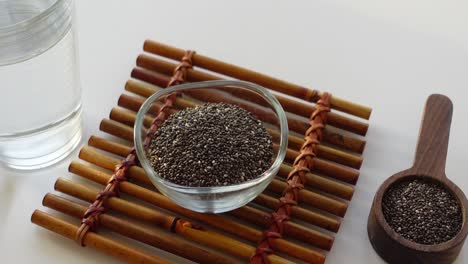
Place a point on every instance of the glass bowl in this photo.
(251, 97)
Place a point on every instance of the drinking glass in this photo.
(40, 120)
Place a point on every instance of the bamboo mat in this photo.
(141, 213)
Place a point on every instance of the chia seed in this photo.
(422, 211)
(213, 144)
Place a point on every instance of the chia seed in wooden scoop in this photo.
(419, 215)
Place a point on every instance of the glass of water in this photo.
(40, 120)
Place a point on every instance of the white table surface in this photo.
(390, 56)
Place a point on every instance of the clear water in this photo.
(16, 11)
(40, 104)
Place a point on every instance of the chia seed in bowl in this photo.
(214, 144)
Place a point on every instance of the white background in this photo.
(389, 55)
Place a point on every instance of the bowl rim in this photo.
(269, 173)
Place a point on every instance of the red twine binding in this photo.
(90, 219)
(296, 180)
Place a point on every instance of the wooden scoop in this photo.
(429, 164)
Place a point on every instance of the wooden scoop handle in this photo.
(431, 151)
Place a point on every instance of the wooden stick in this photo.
(308, 216)
(321, 183)
(166, 68)
(182, 227)
(294, 124)
(133, 103)
(265, 200)
(93, 240)
(292, 229)
(325, 152)
(314, 199)
(146, 214)
(341, 190)
(214, 220)
(150, 236)
(256, 77)
(328, 168)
